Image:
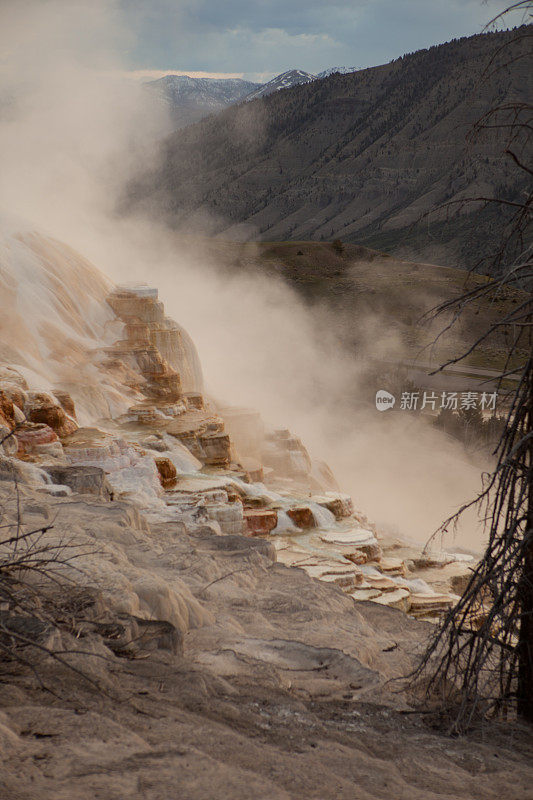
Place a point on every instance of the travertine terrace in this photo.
(165, 446)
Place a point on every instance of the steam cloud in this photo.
(73, 130)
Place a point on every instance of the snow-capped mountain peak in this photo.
(201, 92)
(286, 80)
(189, 99)
(333, 70)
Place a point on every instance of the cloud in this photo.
(278, 34)
(270, 46)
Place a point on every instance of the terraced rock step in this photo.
(180, 458)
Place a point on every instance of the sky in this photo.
(257, 39)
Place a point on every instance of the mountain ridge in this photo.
(334, 70)
(191, 99)
(285, 80)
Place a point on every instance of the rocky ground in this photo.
(276, 685)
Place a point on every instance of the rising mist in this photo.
(73, 133)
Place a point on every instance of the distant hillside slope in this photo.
(357, 157)
(372, 302)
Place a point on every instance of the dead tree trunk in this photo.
(525, 638)
(480, 659)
